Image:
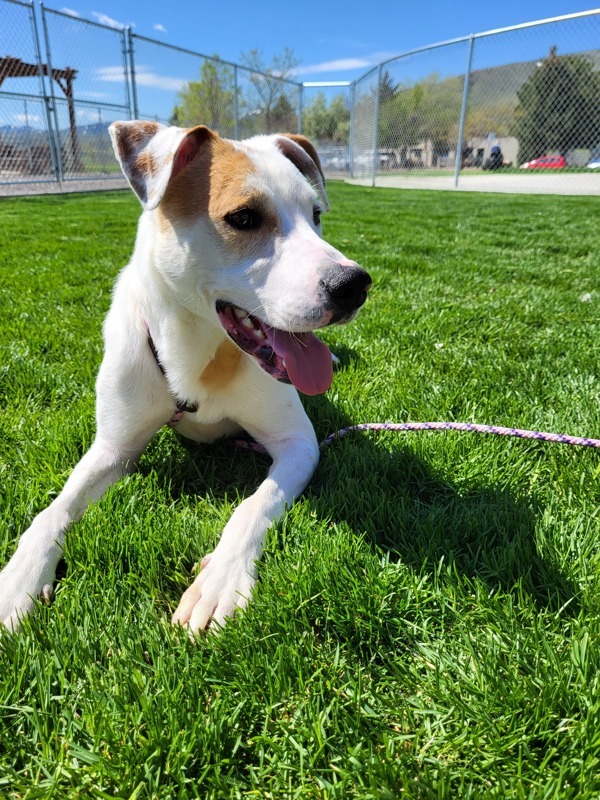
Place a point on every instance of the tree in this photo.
(559, 107)
(421, 114)
(401, 117)
(272, 84)
(325, 123)
(209, 101)
(387, 88)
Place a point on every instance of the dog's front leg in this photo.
(31, 571)
(228, 574)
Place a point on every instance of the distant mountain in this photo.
(94, 129)
(22, 135)
(25, 129)
(501, 84)
(25, 135)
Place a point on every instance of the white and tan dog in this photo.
(209, 325)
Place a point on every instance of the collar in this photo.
(182, 406)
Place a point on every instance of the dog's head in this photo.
(236, 233)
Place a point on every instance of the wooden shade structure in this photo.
(15, 68)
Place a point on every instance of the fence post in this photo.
(236, 110)
(300, 106)
(463, 111)
(54, 157)
(376, 128)
(56, 131)
(351, 142)
(134, 98)
(124, 47)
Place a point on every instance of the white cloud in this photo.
(344, 64)
(340, 65)
(87, 115)
(110, 74)
(70, 12)
(104, 19)
(159, 27)
(27, 119)
(148, 78)
(144, 77)
(95, 95)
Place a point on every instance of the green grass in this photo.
(427, 618)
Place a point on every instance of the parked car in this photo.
(386, 159)
(495, 160)
(594, 162)
(336, 161)
(546, 162)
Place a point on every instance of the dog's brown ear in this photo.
(301, 152)
(151, 154)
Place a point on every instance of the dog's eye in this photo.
(246, 219)
(316, 215)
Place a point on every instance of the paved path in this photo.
(52, 187)
(574, 183)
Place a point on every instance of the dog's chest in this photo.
(223, 369)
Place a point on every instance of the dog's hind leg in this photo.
(31, 571)
(229, 572)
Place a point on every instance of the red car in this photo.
(545, 162)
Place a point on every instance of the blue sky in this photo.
(333, 39)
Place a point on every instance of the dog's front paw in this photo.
(223, 585)
(22, 582)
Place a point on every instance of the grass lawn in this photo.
(427, 618)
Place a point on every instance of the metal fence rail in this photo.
(514, 109)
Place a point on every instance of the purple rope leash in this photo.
(519, 433)
(543, 436)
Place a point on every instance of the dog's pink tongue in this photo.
(307, 360)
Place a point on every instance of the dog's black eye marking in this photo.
(246, 219)
(316, 215)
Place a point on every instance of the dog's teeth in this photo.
(240, 313)
(247, 322)
(259, 334)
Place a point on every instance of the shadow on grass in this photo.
(381, 489)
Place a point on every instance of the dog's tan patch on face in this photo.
(219, 372)
(211, 185)
(230, 170)
(216, 183)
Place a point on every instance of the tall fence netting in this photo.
(513, 102)
(26, 146)
(326, 120)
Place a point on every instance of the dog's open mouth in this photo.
(298, 358)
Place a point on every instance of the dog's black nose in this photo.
(345, 288)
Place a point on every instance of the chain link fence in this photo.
(90, 90)
(181, 87)
(416, 101)
(517, 109)
(63, 80)
(26, 146)
(510, 110)
(327, 109)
